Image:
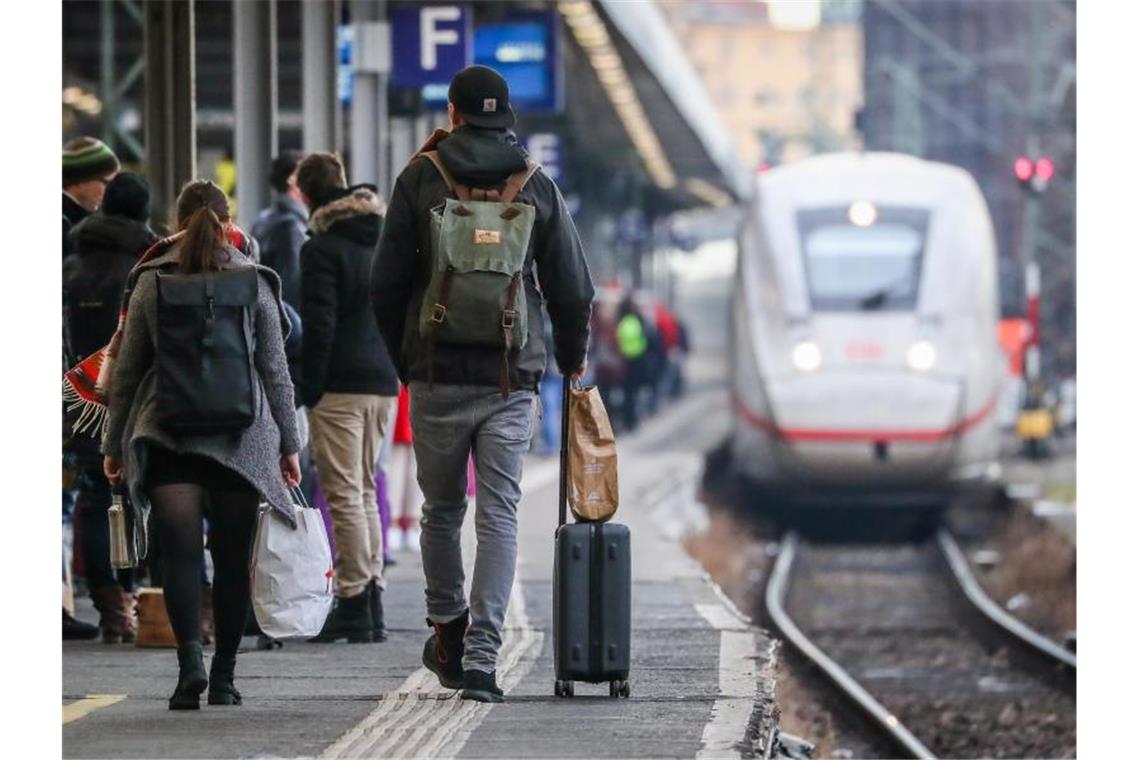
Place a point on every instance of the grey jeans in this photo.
(450, 422)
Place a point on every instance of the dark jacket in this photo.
(106, 247)
(73, 214)
(342, 349)
(400, 270)
(280, 233)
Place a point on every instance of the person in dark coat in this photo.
(464, 410)
(88, 165)
(348, 383)
(280, 228)
(107, 245)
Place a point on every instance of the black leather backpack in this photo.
(205, 356)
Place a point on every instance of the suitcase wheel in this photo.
(619, 689)
(563, 688)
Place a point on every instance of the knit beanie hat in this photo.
(86, 158)
(127, 195)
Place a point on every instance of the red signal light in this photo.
(1045, 169)
(1023, 168)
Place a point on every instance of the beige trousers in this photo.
(347, 430)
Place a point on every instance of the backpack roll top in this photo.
(479, 243)
(206, 376)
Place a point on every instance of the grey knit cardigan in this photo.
(255, 452)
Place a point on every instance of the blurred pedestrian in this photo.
(107, 244)
(550, 395)
(467, 397)
(88, 165)
(280, 228)
(633, 343)
(607, 362)
(178, 474)
(348, 384)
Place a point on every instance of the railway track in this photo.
(931, 664)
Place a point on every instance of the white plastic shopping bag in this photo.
(291, 573)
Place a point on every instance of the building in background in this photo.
(786, 77)
(976, 84)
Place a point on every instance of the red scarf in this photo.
(87, 385)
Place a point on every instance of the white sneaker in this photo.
(395, 539)
(412, 540)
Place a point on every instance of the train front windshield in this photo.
(863, 258)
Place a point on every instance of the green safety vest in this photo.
(631, 337)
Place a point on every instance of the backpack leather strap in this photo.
(517, 181)
(462, 192)
(439, 313)
(510, 318)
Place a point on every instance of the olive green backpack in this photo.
(475, 295)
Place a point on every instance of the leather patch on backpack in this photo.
(487, 237)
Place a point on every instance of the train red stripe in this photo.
(870, 436)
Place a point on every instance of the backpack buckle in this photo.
(509, 319)
(437, 313)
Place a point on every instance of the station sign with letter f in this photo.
(430, 43)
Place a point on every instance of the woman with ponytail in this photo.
(185, 477)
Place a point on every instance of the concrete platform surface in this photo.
(701, 678)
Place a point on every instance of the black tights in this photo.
(178, 510)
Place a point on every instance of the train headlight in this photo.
(806, 356)
(921, 356)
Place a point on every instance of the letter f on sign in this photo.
(432, 37)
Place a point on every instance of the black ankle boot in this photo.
(376, 609)
(443, 651)
(351, 618)
(191, 677)
(481, 687)
(222, 691)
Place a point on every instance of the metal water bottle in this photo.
(122, 542)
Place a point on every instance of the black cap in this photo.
(481, 97)
(127, 195)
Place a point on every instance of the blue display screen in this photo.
(523, 49)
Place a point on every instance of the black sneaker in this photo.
(481, 687)
(443, 651)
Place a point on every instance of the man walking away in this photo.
(280, 228)
(466, 397)
(88, 165)
(348, 383)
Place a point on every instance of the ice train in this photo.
(865, 363)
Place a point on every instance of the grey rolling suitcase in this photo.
(591, 594)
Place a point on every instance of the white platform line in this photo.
(422, 719)
(736, 671)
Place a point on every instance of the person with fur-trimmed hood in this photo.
(348, 382)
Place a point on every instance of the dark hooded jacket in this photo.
(555, 270)
(280, 233)
(342, 351)
(106, 247)
(73, 214)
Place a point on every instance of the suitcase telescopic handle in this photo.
(564, 454)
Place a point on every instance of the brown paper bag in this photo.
(593, 476)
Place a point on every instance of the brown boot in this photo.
(116, 614)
